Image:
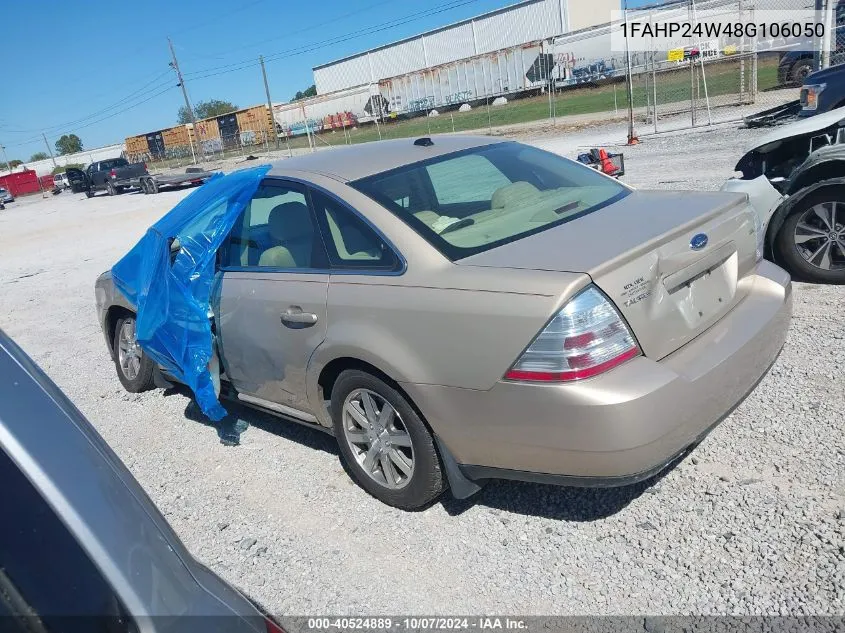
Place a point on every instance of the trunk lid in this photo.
(645, 253)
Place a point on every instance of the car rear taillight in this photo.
(145, 166)
(586, 338)
(272, 627)
(113, 173)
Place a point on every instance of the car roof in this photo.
(351, 162)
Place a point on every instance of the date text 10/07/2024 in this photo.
(416, 623)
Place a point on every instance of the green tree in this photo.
(68, 144)
(15, 163)
(38, 156)
(311, 91)
(205, 110)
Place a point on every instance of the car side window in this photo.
(44, 571)
(351, 243)
(276, 230)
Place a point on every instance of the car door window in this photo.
(351, 243)
(44, 571)
(276, 230)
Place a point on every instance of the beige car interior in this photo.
(291, 229)
(514, 208)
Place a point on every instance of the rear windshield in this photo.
(114, 162)
(471, 201)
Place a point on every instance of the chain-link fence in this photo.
(714, 81)
(569, 79)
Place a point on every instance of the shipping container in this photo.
(228, 125)
(207, 129)
(514, 70)
(155, 144)
(20, 183)
(346, 106)
(256, 119)
(176, 137)
(136, 145)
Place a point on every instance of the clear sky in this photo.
(100, 70)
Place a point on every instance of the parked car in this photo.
(60, 181)
(6, 196)
(823, 91)
(795, 66)
(795, 177)
(82, 547)
(461, 308)
(114, 176)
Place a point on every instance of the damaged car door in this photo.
(272, 299)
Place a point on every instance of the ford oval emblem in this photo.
(698, 241)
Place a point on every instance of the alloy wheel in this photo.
(128, 352)
(820, 235)
(379, 440)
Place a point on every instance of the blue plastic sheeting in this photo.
(172, 296)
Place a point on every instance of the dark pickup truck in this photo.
(112, 175)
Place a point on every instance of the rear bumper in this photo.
(625, 425)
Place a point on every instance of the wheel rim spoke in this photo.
(824, 215)
(385, 416)
(370, 458)
(821, 257)
(369, 406)
(399, 438)
(388, 470)
(358, 437)
(804, 233)
(358, 415)
(401, 461)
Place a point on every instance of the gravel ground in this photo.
(752, 522)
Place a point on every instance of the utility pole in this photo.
(829, 43)
(269, 102)
(175, 66)
(632, 137)
(5, 158)
(49, 151)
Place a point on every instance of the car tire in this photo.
(89, 194)
(800, 70)
(404, 452)
(792, 253)
(111, 189)
(134, 368)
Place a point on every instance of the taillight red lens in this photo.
(272, 627)
(586, 338)
(113, 173)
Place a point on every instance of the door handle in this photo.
(295, 316)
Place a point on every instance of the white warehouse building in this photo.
(503, 52)
(523, 23)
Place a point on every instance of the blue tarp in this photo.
(172, 299)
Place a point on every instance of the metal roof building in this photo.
(526, 21)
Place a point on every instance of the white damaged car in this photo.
(795, 179)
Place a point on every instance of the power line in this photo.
(306, 48)
(105, 118)
(138, 92)
(319, 25)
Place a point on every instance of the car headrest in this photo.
(512, 194)
(290, 221)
